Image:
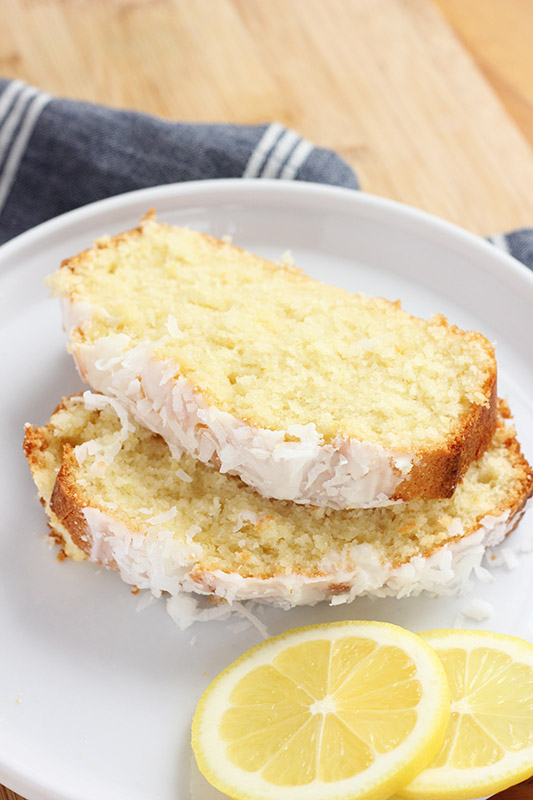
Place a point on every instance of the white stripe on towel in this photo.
(279, 154)
(8, 96)
(13, 118)
(262, 150)
(7, 176)
(500, 240)
(298, 156)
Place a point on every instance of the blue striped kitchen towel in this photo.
(58, 154)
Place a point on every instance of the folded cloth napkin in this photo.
(58, 154)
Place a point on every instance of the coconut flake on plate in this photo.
(477, 609)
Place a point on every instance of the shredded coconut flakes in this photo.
(165, 516)
(183, 476)
(244, 517)
(477, 609)
(105, 451)
(287, 259)
(173, 327)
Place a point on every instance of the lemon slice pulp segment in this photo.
(340, 710)
(489, 741)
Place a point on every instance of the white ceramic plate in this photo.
(96, 699)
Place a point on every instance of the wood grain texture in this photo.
(522, 792)
(384, 82)
(499, 36)
(411, 98)
(7, 794)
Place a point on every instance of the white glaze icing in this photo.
(153, 560)
(345, 473)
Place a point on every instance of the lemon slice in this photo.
(489, 741)
(340, 710)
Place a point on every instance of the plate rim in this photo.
(430, 224)
(21, 780)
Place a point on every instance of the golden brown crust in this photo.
(38, 445)
(35, 444)
(437, 472)
(515, 504)
(67, 504)
(524, 487)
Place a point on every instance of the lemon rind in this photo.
(518, 766)
(402, 764)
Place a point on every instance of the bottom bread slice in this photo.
(114, 493)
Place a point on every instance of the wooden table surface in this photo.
(431, 101)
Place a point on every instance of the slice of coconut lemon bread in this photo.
(306, 392)
(115, 494)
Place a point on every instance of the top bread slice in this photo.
(306, 392)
